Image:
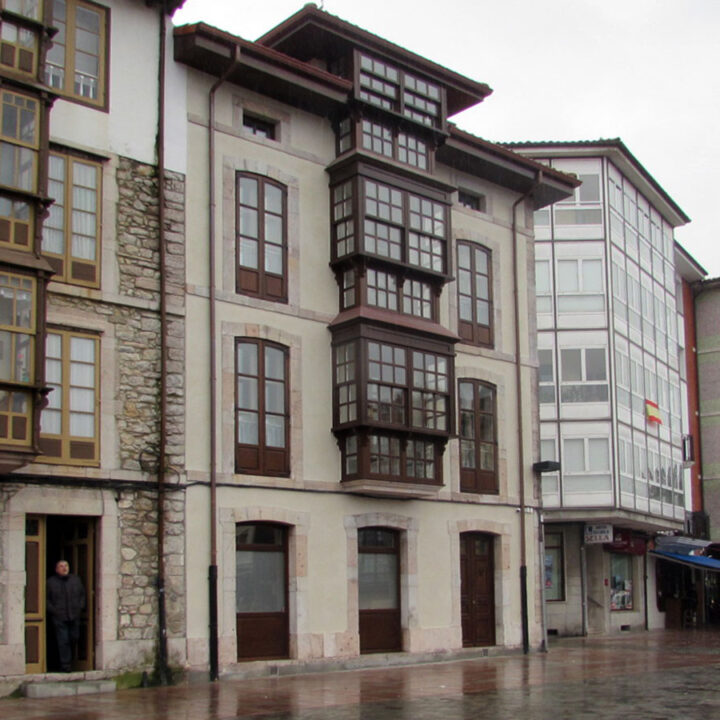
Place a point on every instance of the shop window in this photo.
(478, 437)
(261, 237)
(263, 400)
(554, 566)
(621, 582)
(71, 232)
(69, 425)
(76, 64)
(474, 284)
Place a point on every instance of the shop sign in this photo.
(625, 542)
(599, 533)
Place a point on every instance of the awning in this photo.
(697, 561)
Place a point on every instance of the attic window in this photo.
(472, 201)
(259, 126)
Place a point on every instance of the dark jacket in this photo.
(65, 597)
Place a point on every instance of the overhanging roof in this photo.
(259, 68)
(506, 168)
(312, 32)
(616, 150)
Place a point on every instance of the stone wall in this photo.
(137, 593)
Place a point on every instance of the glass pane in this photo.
(592, 275)
(82, 425)
(275, 431)
(274, 363)
(247, 393)
(247, 428)
(567, 276)
(247, 358)
(51, 420)
(595, 364)
(574, 451)
(598, 454)
(546, 366)
(273, 199)
(249, 253)
(248, 192)
(377, 581)
(273, 259)
(82, 375)
(274, 396)
(248, 222)
(260, 581)
(571, 365)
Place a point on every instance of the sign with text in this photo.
(599, 533)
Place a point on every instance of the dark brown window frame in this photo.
(259, 458)
(400, 107)
(358, 174)
(475, 479)
(260, 126)
(258, 282)
(472, 331)
(362, 380)
(363, 452)
(403, 290)
(253, 618)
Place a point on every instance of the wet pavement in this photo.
(660, 675)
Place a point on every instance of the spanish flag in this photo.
(652, 412)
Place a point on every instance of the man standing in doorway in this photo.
(65, 602)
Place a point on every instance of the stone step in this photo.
(64, 689)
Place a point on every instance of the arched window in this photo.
(261, 237)
(478, 437)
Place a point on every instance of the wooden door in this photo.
(261, 597)
(477, 589)
(379, 590)
(35, 655)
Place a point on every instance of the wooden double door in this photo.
(48, 539)
(477, 589)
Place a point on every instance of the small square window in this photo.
(259, 126)
(472, 201)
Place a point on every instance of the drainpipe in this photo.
(212, 569)
(520, 415)
(162, 670)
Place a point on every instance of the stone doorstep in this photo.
(70, 687)
(275, 668)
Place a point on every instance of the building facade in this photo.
(359, 475)
(613, 387)
(90, 405)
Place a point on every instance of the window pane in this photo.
(260, 581)
(275, 431)
(567, 276)
(571, 365)
(574, 451)
(247, 357)
(545, 358)
(248, 428)
(377, 581)
(595, 364)
(592, 275)
(598, 454)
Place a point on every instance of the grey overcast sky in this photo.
(647, 71)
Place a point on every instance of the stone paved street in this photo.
(648, 676)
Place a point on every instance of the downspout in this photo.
(212, 569)
(162, 670)
(520, 415)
